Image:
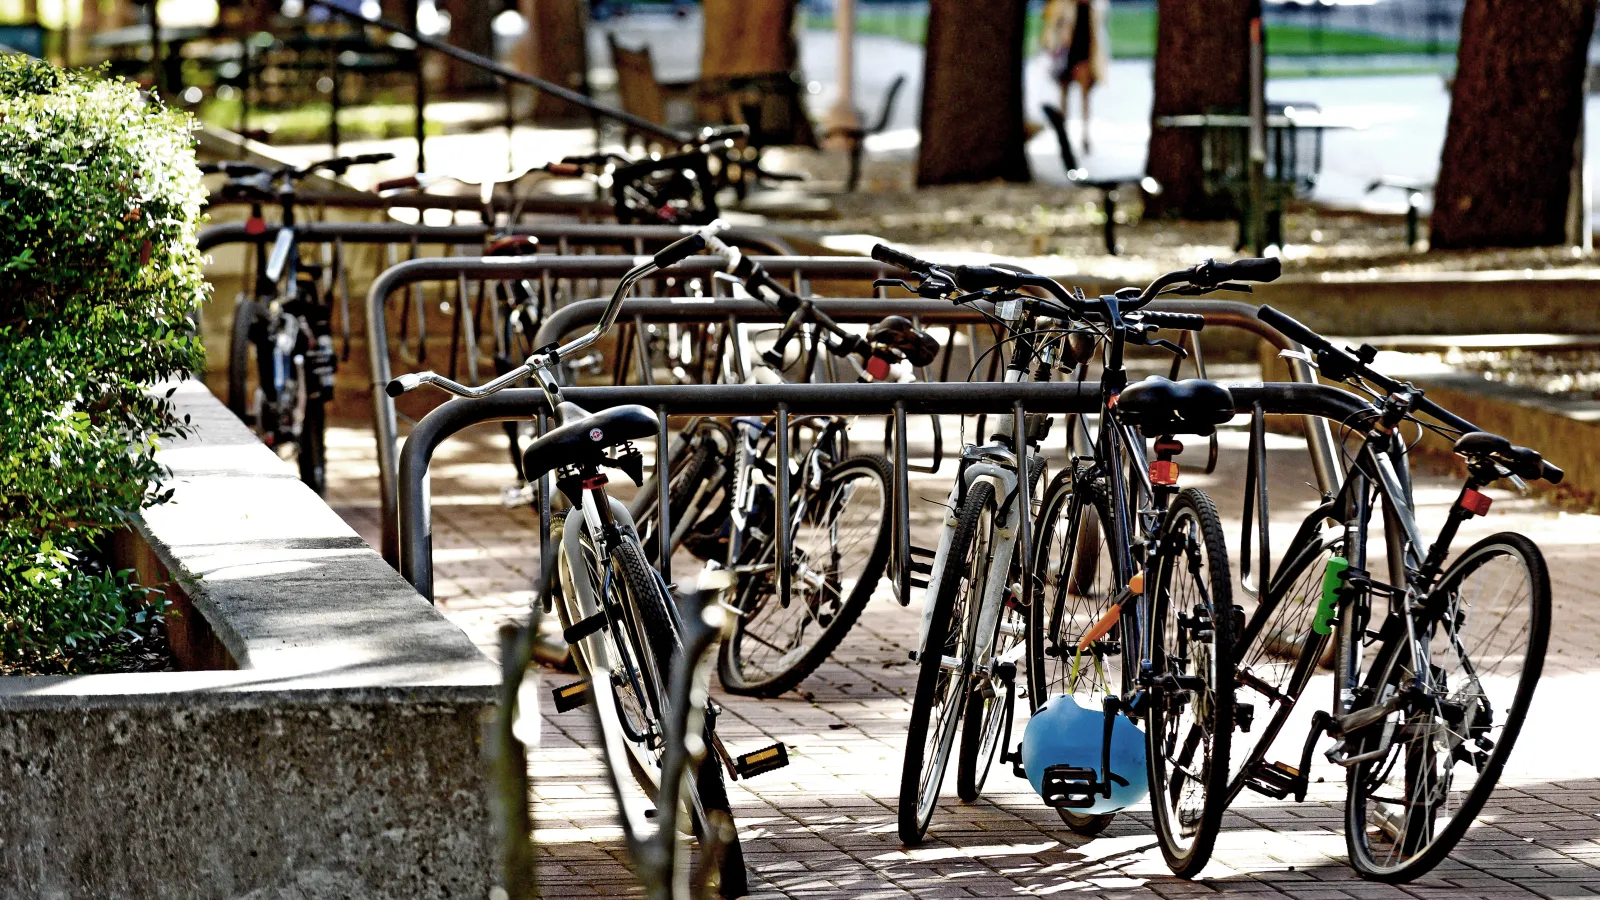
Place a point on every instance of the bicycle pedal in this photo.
(584, 627)
(571, 696)
(761, 761)
(1277, 780)
(1070, 787)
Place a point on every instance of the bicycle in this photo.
(283, 323)
(617, 612)
(722, 499)
(1427, 707)
(1147, 526)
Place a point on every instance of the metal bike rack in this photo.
(753, 240)
(497, 268)
(1323, 402)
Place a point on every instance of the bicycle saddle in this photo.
(1524, 462)
(897, 333)
(585, 437)
(1159, 406)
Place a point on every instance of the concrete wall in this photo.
(340, 759)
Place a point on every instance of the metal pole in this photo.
(157, 76)
(1024, 521)
(902, 507)
(663, 490)
(1258, 130)
(843, 117)
(782, 551)
(420, 93)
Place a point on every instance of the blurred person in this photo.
(1076, 37)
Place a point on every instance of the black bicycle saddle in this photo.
(586, 437)
(1159, 406)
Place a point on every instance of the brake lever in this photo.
(1236, 287)
(894, 282)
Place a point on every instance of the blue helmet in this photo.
(1063, 733)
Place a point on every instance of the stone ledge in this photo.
(339, 759)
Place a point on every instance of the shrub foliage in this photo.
(100, 201)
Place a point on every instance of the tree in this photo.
(972, 93)
(748, 37)
(1202, 65)
(1515, 112)
(556, 49)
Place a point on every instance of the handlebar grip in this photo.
(395, 184)
(1292, 329)
(1175, 321)
(977, 278)
(886, 254)
(564, 169)
(367, 159)
(1258, 270)
(401, 385)
(679, 250)
(1552, 473)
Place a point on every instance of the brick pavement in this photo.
(825, 826)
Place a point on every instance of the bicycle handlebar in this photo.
(1341, 365)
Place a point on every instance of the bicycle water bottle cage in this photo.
(1159, 406)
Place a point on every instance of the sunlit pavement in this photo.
(825, 826)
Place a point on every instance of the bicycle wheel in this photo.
(696, 487)
(1074, 583)
(946, 665)
(1278, 653)
(638, 653)
(1190, 720)
(312, 447)
(1435, 759)
(991, 702)
(239, 360)
(839, 551)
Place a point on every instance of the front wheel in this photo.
(312, 447)
(1190, 719)
(1460, 690)
(838, 554)
(946, 664)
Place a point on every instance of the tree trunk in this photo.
(748, 37)
(1514, 117)
(972, 93)
(556, 49)
(1202, 65)
(472, 29)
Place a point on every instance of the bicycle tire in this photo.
(1269, 672)
(311, 449)
(1053, 584)
(736, 675)
(983, 723)
(1384, 670)
(657, 620)
(1187, 835)
(244, 313)
(919, 789)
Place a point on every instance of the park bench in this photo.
(856, 138)
(1414, 189)
(1110, 188)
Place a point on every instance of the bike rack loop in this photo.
(385, 427)
(1321, 401)
(751, 240)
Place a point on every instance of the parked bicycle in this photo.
(618, 613)
(1429, 695)
(281, 332)
(722, 497)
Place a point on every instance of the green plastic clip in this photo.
(1332, 582)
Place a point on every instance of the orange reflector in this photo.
(1475, 503)
(1136, 583)
(1106, 623)
(1163, 471)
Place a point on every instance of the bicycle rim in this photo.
(1188, 729)
(945, 669)
(839, 551)
(1479, 658)
(1075, 582)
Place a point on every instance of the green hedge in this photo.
(100, 201)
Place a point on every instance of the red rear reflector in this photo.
(1171, 447)
(255, 225)
(597, 481)
(1475, 503)
(877, 368)
(1164, 471)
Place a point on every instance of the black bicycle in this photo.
(281, 359)
(1427, 696)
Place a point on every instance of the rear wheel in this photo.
(312, 447)
(1461, 692)
(240, 355)
(637, 653)
(1190, 719)
(946, 665)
